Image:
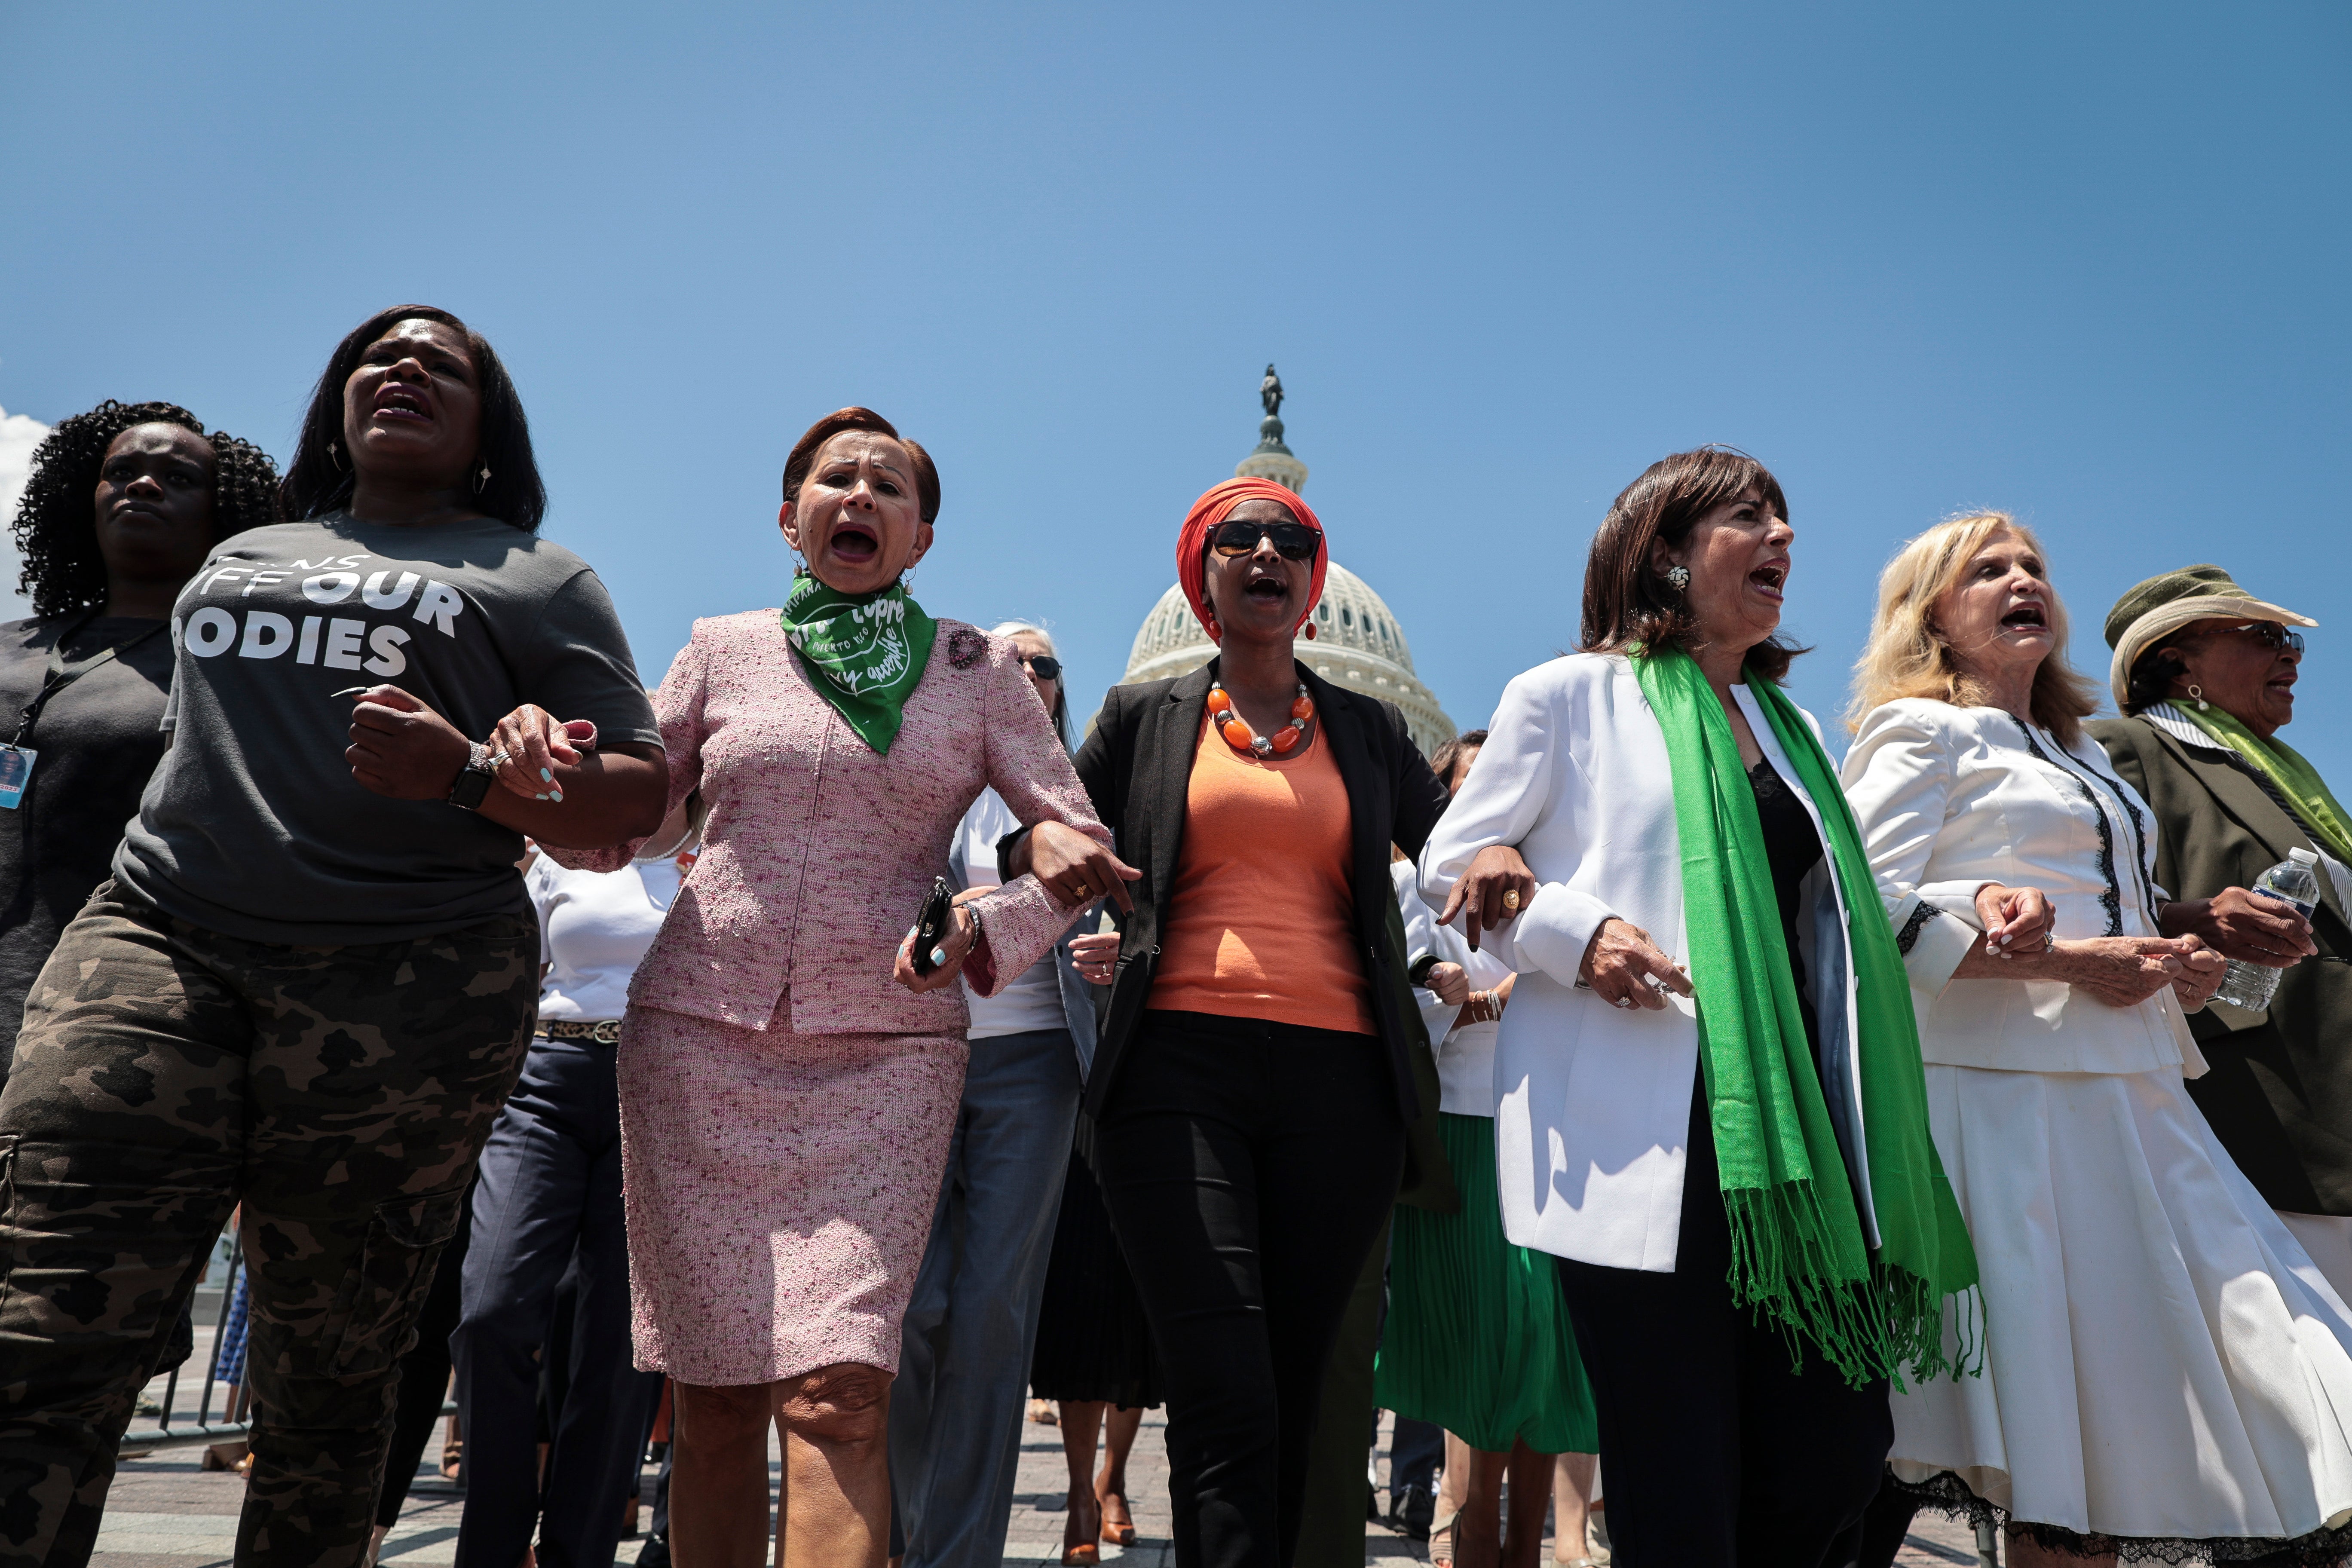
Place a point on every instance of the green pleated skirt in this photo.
(1477, 1339)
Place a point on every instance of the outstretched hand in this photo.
(1075, 869)
(1495, 887)
(1625, 969)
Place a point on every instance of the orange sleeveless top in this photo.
(1262, 920)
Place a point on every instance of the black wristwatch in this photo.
(1418, 972)
(474, 780)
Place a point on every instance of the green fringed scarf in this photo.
(864, 652)
(2329, 827)
(1797, 1252)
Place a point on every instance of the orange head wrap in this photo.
(1216, 504)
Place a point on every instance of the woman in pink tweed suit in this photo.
(787, 1094)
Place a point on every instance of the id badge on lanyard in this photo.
(16, 773)
(16, 759)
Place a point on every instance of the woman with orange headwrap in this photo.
(1248, 1098)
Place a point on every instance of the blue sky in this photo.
(2085, 263)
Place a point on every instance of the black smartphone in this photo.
(932, 925)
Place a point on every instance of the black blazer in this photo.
(1137, 764)
(2279, 1096)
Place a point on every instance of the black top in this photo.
(96, 741)
(1794, 848)
(1137, 765)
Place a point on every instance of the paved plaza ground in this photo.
(166, 1512)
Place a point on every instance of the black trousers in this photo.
(547, 1205)
(1717, 1454)
(1248, 1167)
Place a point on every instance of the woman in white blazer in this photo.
(2166, 1371)
(1692, 890)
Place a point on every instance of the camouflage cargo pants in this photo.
(165, 1074)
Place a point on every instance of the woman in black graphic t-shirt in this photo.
(121, 505)
(312, 978)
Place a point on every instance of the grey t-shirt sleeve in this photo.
(582, 669)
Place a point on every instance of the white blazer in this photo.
(1951, 798)
(1592, 1102)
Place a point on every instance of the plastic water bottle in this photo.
(2292, 882)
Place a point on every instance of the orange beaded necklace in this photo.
(1242, 738)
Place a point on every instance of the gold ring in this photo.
(1510, 898)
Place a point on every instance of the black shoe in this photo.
(656, 1554)
(1371, 1504)
(1411, 1511)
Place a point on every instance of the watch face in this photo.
(469, 789)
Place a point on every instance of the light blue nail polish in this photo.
(538, 797)
(557, 796)
(546, 777)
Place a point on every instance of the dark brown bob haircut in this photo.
(804, 450)
(1625, 601)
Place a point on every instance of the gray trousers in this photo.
(963, 1362)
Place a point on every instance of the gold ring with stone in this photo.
(1510, 898)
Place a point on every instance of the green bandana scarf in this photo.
(1798, 1248)
(865, 652)
(2329, 825)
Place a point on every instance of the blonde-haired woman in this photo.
(2166, 1376)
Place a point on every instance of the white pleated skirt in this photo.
(2162, 1357)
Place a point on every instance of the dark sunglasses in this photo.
(1292, 540)
(2270, 633)
(1044, 665)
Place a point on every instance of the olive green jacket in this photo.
(2280, 1094)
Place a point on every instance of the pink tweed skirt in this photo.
(780, 1189)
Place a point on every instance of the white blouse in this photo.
(1951, 798)
(593, 928)
(1592, 1102)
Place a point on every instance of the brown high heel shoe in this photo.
(1118, 1522)
(1079, 1548)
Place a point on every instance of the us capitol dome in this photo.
(1357, 644)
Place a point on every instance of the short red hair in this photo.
(804, 451)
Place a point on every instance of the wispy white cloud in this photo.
(19, 434)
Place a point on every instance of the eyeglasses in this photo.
(1044, 665)
(1292, 540)
(2270, 633)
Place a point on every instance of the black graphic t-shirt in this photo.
(254, 828)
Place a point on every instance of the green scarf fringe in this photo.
(1799, 1255)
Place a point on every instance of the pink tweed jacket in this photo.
(818, 852)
